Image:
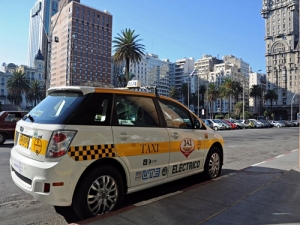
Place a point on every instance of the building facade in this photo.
(256, 78)
(35, 73)
(83, 54)
(39, 25)
(150, 71)
(282, 55)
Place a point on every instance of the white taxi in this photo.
(86, 147)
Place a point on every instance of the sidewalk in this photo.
(265, 193)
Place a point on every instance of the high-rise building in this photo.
(39, 25)
(150, 71)
(282, 55)
(83, 54)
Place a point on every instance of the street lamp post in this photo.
(292, 102)
(191, 74)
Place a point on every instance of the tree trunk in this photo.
(127, 70)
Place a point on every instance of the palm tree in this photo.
(238, 109)
(229, 89)
(255, 91)
(212, 95)
(128, 49)
(17, 85)
(36, 92)
(202, 90)
(221, 95)
(174, 93)
(184, 92)
(272, 96)
(238, 89)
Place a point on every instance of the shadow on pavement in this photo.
(144, 195)
(8, 145)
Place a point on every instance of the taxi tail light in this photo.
(59, 143)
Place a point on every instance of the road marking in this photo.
(280, 156)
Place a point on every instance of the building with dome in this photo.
(33, 73)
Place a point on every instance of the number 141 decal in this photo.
(187, 146)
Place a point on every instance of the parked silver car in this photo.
(277, 124)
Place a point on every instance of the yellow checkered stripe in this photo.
(90, 152)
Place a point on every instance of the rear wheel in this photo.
(2, 138)
(213, 163)
(101, 191)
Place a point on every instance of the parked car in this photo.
(217, 125)
(8, 120)
(226, 125)
(255, 124)
(86, 147)
(239, 125)
(278, 124)
(233, 126)
(296, 123)
(244, 122)
(208, 123)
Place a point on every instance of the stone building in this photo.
(282, 55)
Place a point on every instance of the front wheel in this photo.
(101, 191)
(215, 128)
(213, 164)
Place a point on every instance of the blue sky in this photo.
(171, 29)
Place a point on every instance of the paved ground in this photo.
(265, 193)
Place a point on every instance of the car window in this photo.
(95, 110)
(175, 115)
(135, 111)
(56, 108)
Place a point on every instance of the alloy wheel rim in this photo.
(214, 165)
(102, 195)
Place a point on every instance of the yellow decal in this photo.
(89, 152)
(37, 146)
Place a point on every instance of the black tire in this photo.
(104, 175)
(215, 128)
(2, 138)
(213, 164)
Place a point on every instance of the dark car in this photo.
(8, 120)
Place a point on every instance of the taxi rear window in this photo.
(56, 108)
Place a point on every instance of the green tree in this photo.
(127, 48)
(255, 91)
(184, 92)
(238, 89)
(238, 109)
(202, 90)
(212, 95)
(174, 93)
(36, 92)
(229, 89)
(221, 95)
(17, 85)
(272, 96)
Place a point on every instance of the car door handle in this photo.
(123, 136)
(175, 135)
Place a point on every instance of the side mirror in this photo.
(197, 124)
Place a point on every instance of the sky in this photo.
(170, 29)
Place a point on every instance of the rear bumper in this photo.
(32, 175)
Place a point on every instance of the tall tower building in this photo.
(40, 18)
(83, 54)
(282, 54)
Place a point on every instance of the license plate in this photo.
(24, 140)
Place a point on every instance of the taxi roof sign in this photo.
(134, 84)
